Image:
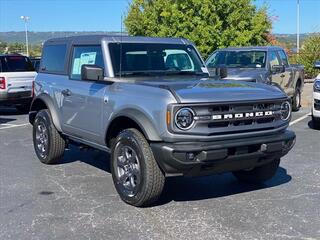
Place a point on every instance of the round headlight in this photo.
(316, 85)
(184, 118)
(285, 111)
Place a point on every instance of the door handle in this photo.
(66, 92)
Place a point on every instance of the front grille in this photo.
(317, 104)
(233, 118)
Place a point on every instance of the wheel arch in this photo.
(131, 119)
(44, 101)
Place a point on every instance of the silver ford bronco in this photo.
(151, 103)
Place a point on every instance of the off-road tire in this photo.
(55, 145)
(152, 178)
(316, 123)
(296, 100)
(258, 174)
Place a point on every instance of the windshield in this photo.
(238, 59)
(145, 59)
(15, 64)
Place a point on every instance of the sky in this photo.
(105, 15)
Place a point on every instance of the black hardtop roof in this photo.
(252, 48)
(96, 39)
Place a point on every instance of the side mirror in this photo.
(91, 72)
(218, 72)
(317, 64)
(278, 69)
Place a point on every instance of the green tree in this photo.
(3, 47)
(16, 48)
(210, 24)
(310, 53)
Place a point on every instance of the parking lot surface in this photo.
(76, 198)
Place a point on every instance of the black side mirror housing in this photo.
(278, 69)
(317, 64)
(219, 72)
(92, 72)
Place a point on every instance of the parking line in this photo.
(14, 126)
(300, 119)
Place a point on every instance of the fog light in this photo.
(287, 145)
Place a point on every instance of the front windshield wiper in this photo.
(193, 73)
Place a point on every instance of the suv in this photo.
(151, 103)
(264, 65)
(16, 80)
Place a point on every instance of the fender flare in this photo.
(145, 124)
(45, 99)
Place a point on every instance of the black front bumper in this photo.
(204, 158)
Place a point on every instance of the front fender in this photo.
(143, 121)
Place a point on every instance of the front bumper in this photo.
(23, 97)
(205, 158)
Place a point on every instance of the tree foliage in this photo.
(309, 54)
(210, 24)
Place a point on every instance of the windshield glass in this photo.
(145, 59)
(238, 59)
(15, 64)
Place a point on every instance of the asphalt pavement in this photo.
(76, 198)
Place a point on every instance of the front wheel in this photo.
(258, 174)
(48, 143)
(136, 175)
(296, 101)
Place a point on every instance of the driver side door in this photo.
(276, 77)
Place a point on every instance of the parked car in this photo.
(16, 80)
(151, 104)
(268, 65)
(316, 99)
(36, 63)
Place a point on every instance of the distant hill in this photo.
(40, 37)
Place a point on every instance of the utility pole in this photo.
(298, 26)
(26, 19)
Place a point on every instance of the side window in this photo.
(85, 55)
(273, 59)
(54, 58)
(284, 58)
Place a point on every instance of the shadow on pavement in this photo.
(9, 111)
(182, 188)
(200, 188)
(312, 126)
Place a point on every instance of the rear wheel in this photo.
(258, 174)
(48, 143)
(137, 177)
(296, 101)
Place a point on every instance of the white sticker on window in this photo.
(204, 69)
(85, 58)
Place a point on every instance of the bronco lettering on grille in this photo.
(248, 115)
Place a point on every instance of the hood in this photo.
(245, 74)
(205, 90)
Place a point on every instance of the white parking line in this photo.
(300, 119)
(7, 126)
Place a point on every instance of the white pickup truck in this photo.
(316, 99)
(16, 81)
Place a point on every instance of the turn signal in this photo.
(2, 83)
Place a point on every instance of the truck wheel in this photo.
(296, 101)
(258, 174)
(316, 122)
(48, 143)
(136, 174)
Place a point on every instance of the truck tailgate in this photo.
(19, 81)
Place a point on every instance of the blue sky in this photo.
(105, 15)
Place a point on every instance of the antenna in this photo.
(121, 33)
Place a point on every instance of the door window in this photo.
(273, 59)
(91, 55)
(284, 58)
(53, 59)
